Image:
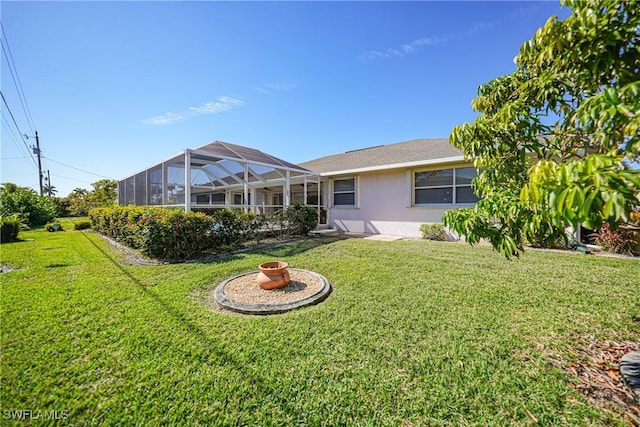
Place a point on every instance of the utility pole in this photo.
(37, 151)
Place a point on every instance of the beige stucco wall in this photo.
(384, 206)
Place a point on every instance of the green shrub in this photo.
(122, 223)
(82, 225)
(34, 209)
(173, 234)
(10, 227)
(63, 205)
(300, 219)
(434, 231)
(226, 227)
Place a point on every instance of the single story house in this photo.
(393, 189)
(387, 189)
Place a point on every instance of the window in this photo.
(238, 199)
(209, 199)
(202, 199)
(444, 186)
(218, 199)
(344, 192)
(297, 197)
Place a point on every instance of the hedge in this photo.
(173, 234)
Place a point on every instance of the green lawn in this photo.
(415, 333)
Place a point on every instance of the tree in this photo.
(49, 190)
(79, 192)
(27, 204)
(77, 199)
(105, 193)
(557, 140)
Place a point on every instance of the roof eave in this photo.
(415, 163)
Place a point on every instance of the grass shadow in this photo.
(193, 329)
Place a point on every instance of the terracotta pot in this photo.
(273, 275)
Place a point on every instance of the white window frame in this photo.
(355, 192)
(454, 186)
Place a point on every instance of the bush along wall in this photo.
(433, 231)
(173, 234)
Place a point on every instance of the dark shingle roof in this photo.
(384, 155)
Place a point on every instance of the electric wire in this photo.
(15, 139)
(12, 117)
(78, 169)
(71, 179)
(16, 78)
(12, 133)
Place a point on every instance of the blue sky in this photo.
(114, 87)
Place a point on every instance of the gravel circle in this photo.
(245, 289)
(242, 294)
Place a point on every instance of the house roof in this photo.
(225, 150)
(408, 153)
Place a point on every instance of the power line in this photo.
(16, 79)
(12, 117)
(73, 167)
(71, 179)
(15, 140)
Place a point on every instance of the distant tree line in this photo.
(35, 210)
(80, 200)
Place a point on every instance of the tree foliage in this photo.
(80, 201)
(31, 208)
(557, 141)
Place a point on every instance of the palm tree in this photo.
(79, 192)
(49, 190)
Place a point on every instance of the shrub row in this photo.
(173, 234)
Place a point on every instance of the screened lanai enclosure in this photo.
(223, 175)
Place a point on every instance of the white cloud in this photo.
(281, 86)
(418, 44)
(479, 27)
(222, 104)
(163, 119)
(405, 49)
(275, 87)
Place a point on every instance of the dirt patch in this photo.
(597, 372)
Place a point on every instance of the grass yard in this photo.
(414, 333)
